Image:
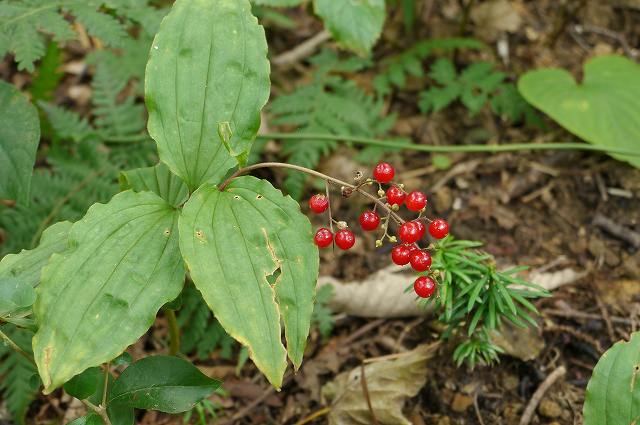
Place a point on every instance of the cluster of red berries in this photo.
(409, 232)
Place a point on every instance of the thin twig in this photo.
(15, 347)
(302, 50)
(105, 388)
(367, 397)
(397, 144)
(315, 415)
(606, 318)
(539, 394)
(399, 220)
(573, 314)
(621, 232)
(101, 411)
(477, 408)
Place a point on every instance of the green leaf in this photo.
(102, 294)
(613, 392)
(278, 3)
(15, 295)
(90, 419)
(208, 66)
(159, 180)
(19, 138)
(355, 24)
(603, 109)
(27, 265)
(233, 242)
(163, 383)
(84, 385)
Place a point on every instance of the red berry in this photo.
(395, 196)
(422, 228)
(400, 254)
(345, 239)
(409, 232)
(323, 237)
(369, 220)
(420, 260)
(416, 201)
(439, 228)
(383, 172)
(318, 203)
(424, 286)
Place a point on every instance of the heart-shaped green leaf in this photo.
(250, 252)
(613, 392)
(27, 265)
(103, 293)
(355, 24)
(19, 138)
(603, 109)
(163, 383)
(207, 70)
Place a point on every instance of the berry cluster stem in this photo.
(399, 220)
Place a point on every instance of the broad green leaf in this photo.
(86, 384)
(27, 265)
(355, 24)
(603, 109)
(207, 69)
(163, 383)
(278, 3)
(159, 180)
(19, 138)
(102, 294)
(234, 242)
(613, 392)
(15, 295)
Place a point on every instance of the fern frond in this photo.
(16, 374)
(328, 105)
(25, 24)
(396, 69)
(67, 124)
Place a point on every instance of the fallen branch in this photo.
(539, 394)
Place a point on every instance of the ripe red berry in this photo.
(383, 172)
(400, 254)
(323, 237)
(416, 201)
(395, 196)
(318, 203)
(420, 260)
(424, 286)
(421, 227)
(345, 239)
(439, 228)
(409, 232)
(369, 220)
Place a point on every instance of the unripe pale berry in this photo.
(318, 203)
(384, 172)
(424, 286)
(323, 237)
(345, 239)
(439, 228)
(416, 201)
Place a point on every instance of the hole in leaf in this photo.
(236, 197)
(259, 196)
(167, 232)
(273, 277)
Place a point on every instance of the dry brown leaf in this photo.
(389, 384)
(554, 280)
(380, 295)
(524, 344)
(494, 17)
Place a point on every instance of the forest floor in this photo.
(571, 216)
